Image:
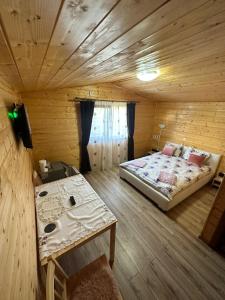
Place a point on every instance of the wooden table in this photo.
(56, 208)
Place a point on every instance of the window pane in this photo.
(109, 122)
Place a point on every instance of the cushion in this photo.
(186, 152)
(202, 153)
(197, 159)
(178, 148)
(168, 150)
(177, 152)
(94, 281)
(167, 177)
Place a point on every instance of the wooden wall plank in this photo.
(18, 251)
(194, 123)
(55, 121)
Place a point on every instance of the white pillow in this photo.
(186, 152)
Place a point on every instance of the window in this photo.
(109, 122)
(108, 139)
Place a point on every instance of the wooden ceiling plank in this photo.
(175, 69)
(156, 58)
(10, 77)
(209, 70)
(85, 15)
(81, 43)
(174, 86)
(189, 82)
(185, 52)
(218, 88)
(29, 26)
(177, 93)
(187, 62)
(120, 21)
(167, 13)
(186, 26)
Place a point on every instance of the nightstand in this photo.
(152, 151)
(217, 180)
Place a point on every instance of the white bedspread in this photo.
(90, 213)
(186, 173)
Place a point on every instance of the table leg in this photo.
(112, 244)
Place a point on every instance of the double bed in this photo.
(144, 174)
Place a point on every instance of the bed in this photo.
(143, 173)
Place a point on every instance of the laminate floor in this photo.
(155, 257)
(193, 212)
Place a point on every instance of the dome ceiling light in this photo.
(148, 75)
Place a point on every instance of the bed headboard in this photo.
(214, 161)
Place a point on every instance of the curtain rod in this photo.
(76, 99)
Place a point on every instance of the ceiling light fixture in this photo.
(147, 75)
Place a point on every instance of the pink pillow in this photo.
(167, 177)
(168, 150)
(196, 159)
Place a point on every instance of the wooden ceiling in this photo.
(46, 44)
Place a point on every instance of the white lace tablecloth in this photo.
(73, 223)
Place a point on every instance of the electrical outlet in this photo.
(156, 137)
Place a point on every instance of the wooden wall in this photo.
(199, 124)
(55, 120)
(18, 274)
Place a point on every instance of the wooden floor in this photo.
(155, 257)
(193, 212)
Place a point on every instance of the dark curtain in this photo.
(86, 114)
(130, 126)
